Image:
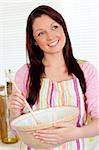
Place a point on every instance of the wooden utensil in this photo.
(18, 90)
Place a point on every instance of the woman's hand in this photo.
(64, 132)
(16, 104)
(61, 133)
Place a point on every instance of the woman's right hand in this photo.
(16, 104)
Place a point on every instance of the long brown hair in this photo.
(36, 67)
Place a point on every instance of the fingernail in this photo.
(36, 137)
(54, 124)
(34, 134)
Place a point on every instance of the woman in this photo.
(54, 77)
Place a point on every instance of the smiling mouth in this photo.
(52, 44)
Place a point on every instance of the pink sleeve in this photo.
(92, 91)
(21, 78)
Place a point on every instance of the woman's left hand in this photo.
(59, 134)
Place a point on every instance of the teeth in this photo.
(53, 43)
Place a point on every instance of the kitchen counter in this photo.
(93, 145)
(14, 146)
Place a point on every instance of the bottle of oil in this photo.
(8, 135)
(9, 84)
(2, 93)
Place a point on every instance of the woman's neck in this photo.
(53, 60)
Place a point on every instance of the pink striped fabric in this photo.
(62, 93)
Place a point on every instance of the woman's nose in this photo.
(50, 36)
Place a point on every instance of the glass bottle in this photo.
(9, 84)
(2, 89)
(8, 135)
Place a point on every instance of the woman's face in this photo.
(48, 34)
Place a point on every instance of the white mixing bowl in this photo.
(25, 124)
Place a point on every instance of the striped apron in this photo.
(66, 92)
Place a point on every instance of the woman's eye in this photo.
(54, 27)
(41, 34)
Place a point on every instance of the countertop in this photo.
(14, 146)
(93, 144)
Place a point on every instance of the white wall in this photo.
(82, 22)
